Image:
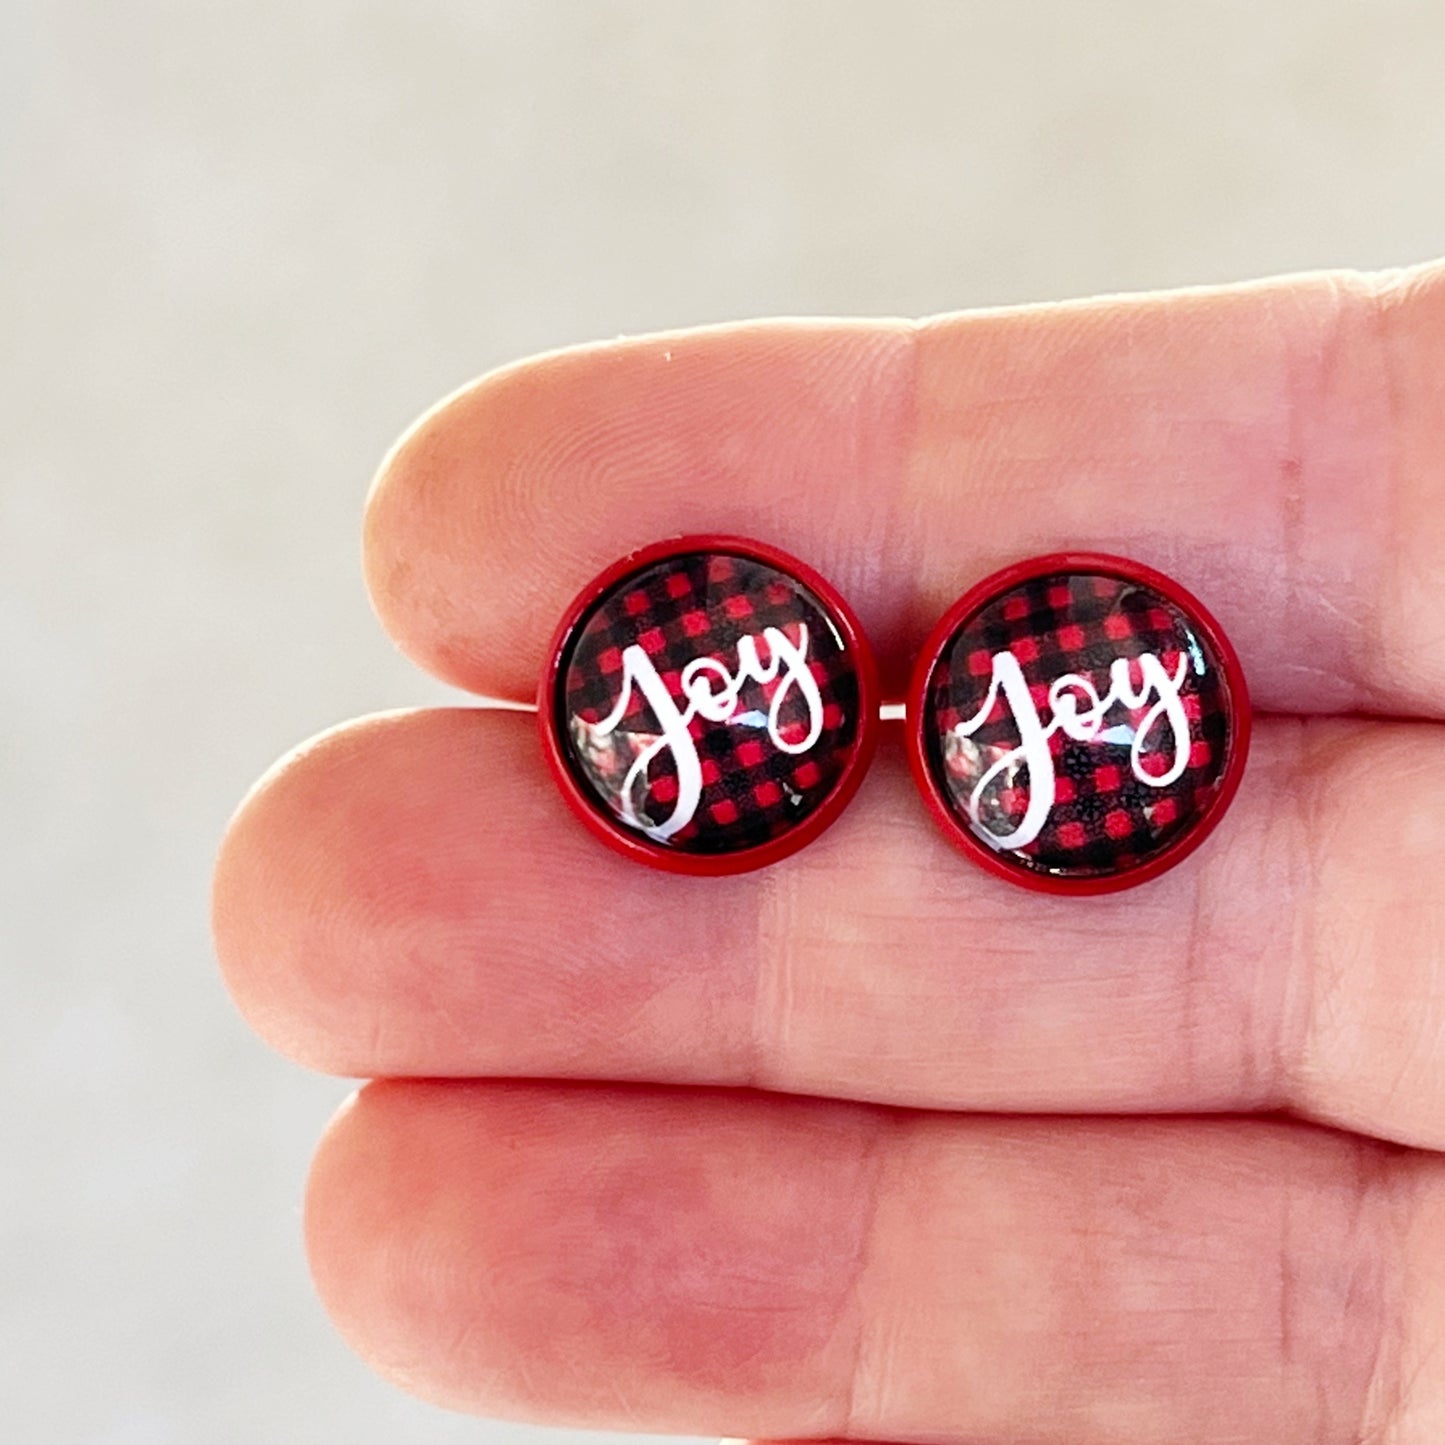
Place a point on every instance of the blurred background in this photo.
(241, 246)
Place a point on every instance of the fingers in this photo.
(705, 1262)
(1278, 447)
(409, 896)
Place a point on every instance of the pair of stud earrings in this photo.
(1076, 723)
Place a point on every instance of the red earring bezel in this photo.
(1005, 580)
(634, 845)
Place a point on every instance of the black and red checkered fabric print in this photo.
(702, 606)
(1104, 819)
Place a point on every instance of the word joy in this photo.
(1078, 712)
(711, 692)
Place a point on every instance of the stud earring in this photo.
(1078, 723)
(710, 705)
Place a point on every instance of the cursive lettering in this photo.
(1079, 713)
(712, 693)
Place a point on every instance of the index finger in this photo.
(1279, 447)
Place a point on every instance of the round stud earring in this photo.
(710, 705)
(1078, 723)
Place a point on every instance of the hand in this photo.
(888, 1215)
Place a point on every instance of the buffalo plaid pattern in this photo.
(1104, 820)
(700, 605)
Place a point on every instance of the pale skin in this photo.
(973, 1165)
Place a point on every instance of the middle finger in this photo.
(410, 897)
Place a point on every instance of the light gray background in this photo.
(242, 246)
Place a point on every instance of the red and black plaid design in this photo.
(702, 605)
(1104, 820)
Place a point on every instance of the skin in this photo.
(871, 1145)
